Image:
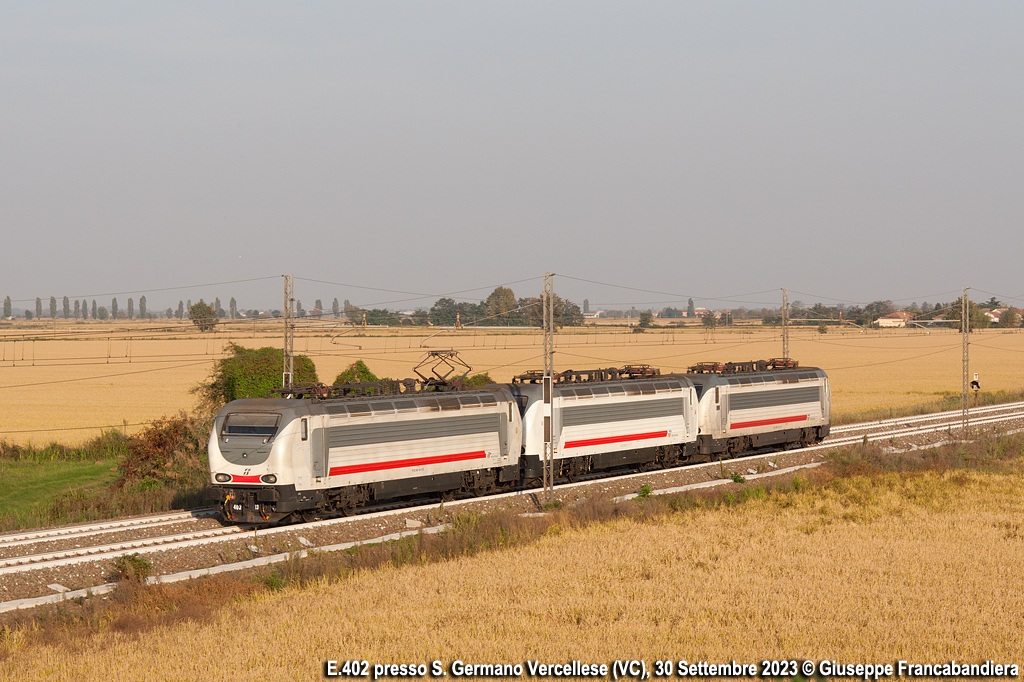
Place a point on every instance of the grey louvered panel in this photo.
(788, 396)
(618, 412)
(390, 431)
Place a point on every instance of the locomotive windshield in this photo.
(258, 424)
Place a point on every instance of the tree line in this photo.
(503, 308)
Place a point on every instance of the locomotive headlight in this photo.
(268, 478)
(222, 478)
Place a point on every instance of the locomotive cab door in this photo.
(317, 449)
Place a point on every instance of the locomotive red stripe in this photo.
(245, 479)
(402, 463)
(615, 439)
(767, 422)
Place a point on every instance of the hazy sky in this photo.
(848, 151)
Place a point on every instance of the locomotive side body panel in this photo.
(606, 424)
(592, 420)
(389, 440)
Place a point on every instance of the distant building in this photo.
(995, 315)
(898, 319)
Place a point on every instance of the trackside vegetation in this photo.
(870, 530)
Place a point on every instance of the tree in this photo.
(299, 312)
(977, 317)
(78, 306)
(7, 307)
(335, 308)
(1010, 318)
(131, 309)
(53, 307)
(691, 312)
(85, 309)
(709, 320)
(566, 313)
(180, 314)
(102, 313)
(203, 316)
(94, 308)
(67, 308)
(232, 308)
(500, 304)
(39, 308)
(113, 308)
(249, 373)
(874, 310)
(646, 319)
(442, 312)
(142, 307)
(216, 307)
(991, 304)
(318, 308)
(28, 314)
(168, 313)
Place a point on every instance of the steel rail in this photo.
(81, 530)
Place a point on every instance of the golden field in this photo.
(919, 567)
(64, 382)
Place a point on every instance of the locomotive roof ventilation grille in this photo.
(444, 402)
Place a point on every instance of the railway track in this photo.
(47, 551)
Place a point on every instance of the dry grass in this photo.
(920, 562)
(142, 373)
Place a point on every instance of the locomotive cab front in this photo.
(250, 460)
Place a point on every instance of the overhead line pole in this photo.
(288, 372)
(965, 330)
(548, 381)
(785, 323)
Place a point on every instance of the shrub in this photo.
(169, 452)
(477, 380)
(249, 373)
(132, 567)
(356, 372)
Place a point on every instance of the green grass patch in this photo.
(28, 488)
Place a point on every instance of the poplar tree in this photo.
(67, 308)
(78, 306)
(7, 307)
(39, 308)
(53, 307)
(131, 309)
(142, 307)
(113, 309)
(181, 310)
(232, 308)
(94, 308)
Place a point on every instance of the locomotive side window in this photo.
(258, 424)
